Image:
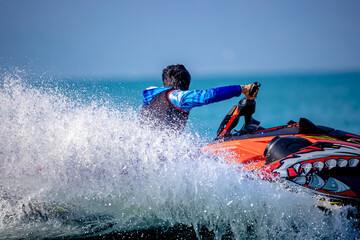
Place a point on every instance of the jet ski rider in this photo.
(169, 106)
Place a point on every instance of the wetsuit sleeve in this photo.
(186, 100)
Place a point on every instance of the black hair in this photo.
(176, 76)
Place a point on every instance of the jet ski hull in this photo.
(322, 161)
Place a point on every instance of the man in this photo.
(168, 107)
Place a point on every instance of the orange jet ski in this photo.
(321, 160)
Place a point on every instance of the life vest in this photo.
(161, 113)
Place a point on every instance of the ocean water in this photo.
(75, 162)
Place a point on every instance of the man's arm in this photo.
(186, 100)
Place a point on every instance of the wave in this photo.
(71, 168)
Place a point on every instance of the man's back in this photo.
(160, 112)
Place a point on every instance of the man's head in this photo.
(176, 76)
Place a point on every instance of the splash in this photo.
(71, 169)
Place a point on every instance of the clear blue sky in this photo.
(140, 37)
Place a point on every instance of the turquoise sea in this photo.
(326, 99)
(74, 162)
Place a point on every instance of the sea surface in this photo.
(75, 162)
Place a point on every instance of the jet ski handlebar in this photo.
(254, 88)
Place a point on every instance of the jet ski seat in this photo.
(280, 147)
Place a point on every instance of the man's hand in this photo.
(246, 91)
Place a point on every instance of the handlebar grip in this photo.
(254, 88)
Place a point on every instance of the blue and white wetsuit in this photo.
(169, 108)
(186, 100)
